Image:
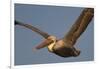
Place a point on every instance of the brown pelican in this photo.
(64, 47)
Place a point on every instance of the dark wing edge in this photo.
(80, 25)
(44, 34)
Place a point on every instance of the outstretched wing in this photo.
(44, 34)
(80, 25)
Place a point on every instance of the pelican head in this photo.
(51, 45)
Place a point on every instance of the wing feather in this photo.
(80, 25)
(44, 34)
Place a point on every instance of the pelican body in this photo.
(64, 47)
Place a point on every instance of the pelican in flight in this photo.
(64, 47)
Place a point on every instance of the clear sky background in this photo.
(56, 21)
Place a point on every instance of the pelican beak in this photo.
(45, 43)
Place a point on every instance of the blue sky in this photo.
(55, 20)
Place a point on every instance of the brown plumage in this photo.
(65, 46)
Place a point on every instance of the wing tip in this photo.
(16, 22)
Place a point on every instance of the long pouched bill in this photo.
(45, 43)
